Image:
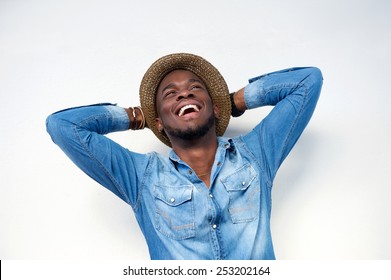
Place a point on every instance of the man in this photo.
(211, 198)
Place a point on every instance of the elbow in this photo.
(316, 76)
(315, 80)
(54, 127)
(51, 124)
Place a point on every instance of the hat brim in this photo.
(213, 80)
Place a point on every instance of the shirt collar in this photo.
(224, 143)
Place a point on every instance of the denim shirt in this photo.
(180, 217)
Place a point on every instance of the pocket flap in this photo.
(241, 179)
(173, 196)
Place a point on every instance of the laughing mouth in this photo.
(188, 109)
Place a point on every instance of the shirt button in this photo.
(226, 145)
(172, 199)
(243, 183)
(214, 226)
(211, 195)
(190, 172)
(219, 163)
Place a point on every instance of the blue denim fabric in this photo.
(179, 216)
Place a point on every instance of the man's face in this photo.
(184, 106)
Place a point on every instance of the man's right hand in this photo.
(136, 118)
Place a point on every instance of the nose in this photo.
(184, 94)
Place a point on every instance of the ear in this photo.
(216, 111)
(159, 124)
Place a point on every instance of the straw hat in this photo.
(214, 82)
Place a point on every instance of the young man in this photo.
(211, 198)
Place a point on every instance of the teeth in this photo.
(183, 109)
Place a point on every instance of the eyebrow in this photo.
(173, 84)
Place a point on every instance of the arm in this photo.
(79, 132)
(293, 93)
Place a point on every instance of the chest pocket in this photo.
(174, 215)
(244, 194)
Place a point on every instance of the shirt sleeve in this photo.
(80, 131)
(294, 93)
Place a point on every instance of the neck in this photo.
(199, 154)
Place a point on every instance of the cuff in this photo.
(254, 95)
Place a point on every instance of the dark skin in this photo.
(182, 88)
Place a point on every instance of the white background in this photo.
(331, 197)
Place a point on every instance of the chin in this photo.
(192, 133)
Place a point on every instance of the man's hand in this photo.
(237, 103)
(136, 118)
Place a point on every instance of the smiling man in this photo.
(211, 197)
(187, 116)
(183, 100)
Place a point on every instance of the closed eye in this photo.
(169, 92)
(196, 86)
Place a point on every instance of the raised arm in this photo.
(80, 131)
(293, 93)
